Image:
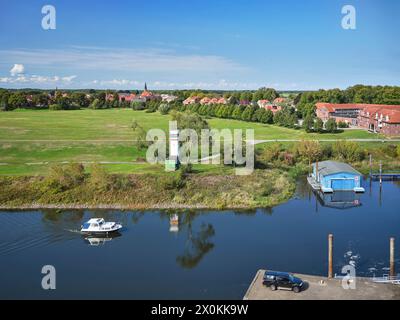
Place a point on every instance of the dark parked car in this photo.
(282, 280)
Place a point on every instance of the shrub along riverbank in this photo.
(69, 186)
(289, 156)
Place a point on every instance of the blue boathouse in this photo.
(331, 176)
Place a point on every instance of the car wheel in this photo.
(273, 287)
(296, 289)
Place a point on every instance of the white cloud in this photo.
(68, 79)
(17, 69)
(35, 79)
(117, 82)
(122, 59)
(212, 85)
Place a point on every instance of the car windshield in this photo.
(291, 278)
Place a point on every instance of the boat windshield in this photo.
(86, 225)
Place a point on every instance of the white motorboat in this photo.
(99, 226)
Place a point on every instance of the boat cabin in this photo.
(93, 223)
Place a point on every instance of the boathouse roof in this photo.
(331, 167)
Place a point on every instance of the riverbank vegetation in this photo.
(278, 165)
(287, 156)
(71, 186)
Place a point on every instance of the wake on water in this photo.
(73, 231)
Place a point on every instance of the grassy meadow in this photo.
(30, 140)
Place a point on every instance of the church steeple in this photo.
(146, 94)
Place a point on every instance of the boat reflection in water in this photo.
(99, 240)
(339, 199)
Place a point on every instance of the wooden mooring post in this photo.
(370, 165)
(330, 256)
(392, 267)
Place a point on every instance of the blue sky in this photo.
(209, 44)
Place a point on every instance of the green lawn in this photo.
(114, 124)
(28, 138)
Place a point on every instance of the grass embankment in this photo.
(30, 140)
(219, 190)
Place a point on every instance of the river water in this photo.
(212, 255)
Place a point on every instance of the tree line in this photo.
(96, 99)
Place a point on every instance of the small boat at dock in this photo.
(99, 226)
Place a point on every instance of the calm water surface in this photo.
(213, 255)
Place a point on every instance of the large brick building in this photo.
(373, 117)
(347, 113)
(383, 119)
